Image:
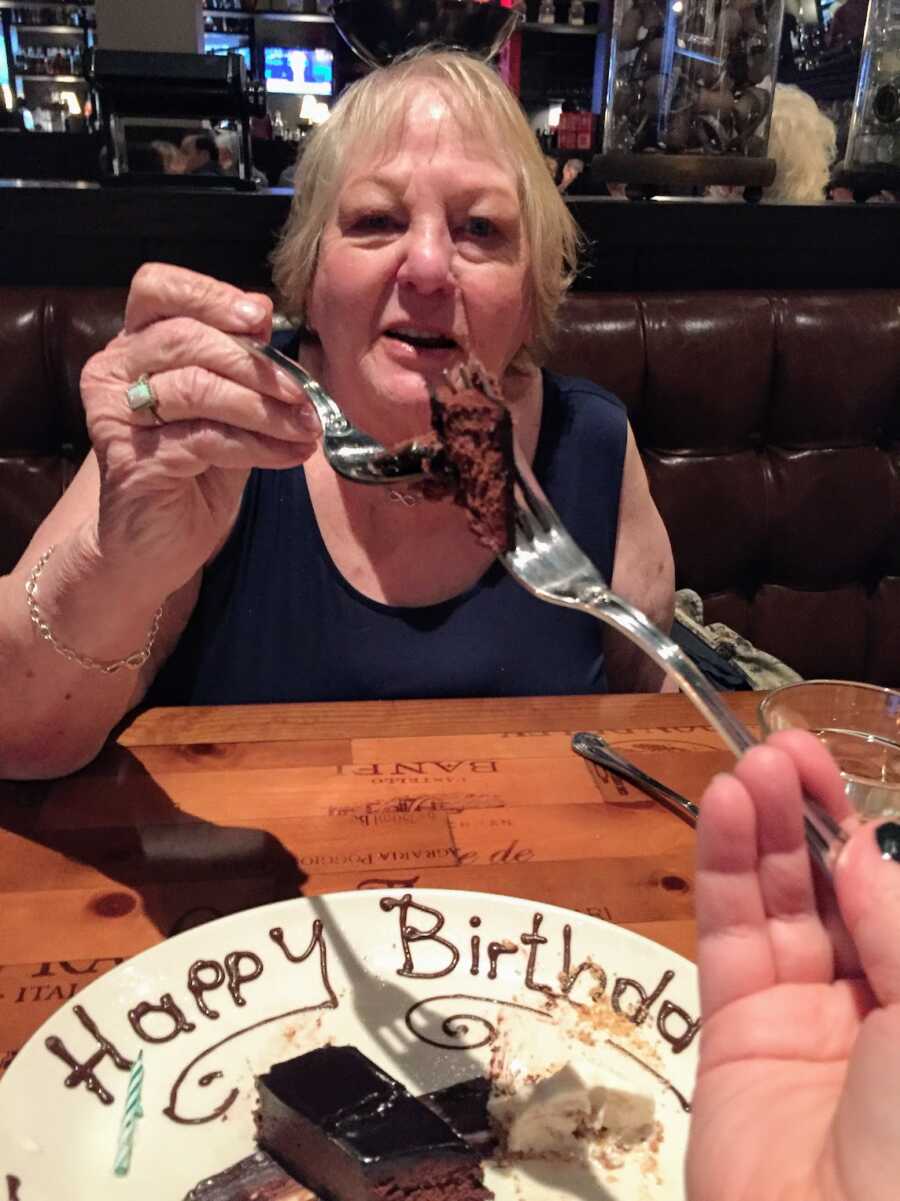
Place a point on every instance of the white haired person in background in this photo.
(803, 143)
(228, 142)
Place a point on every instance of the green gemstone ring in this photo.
(140, 396)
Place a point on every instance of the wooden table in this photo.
(189, 814)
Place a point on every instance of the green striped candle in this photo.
(133, 1111)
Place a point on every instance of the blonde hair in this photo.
(365, 119)
(803, 143)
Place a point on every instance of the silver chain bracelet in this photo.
(134, 661)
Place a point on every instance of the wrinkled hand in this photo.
(170, 492)
(796, 1097)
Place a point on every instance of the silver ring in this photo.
(141, 397)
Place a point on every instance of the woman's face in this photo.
(423, 261)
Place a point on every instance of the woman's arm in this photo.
(643, 573)
(55, 714)
(152, 505)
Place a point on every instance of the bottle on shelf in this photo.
(278, 125)
(576, 12)
(547, 13)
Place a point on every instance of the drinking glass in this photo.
(860, 725)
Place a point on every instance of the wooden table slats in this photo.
(189, 814)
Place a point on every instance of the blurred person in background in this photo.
(571, 172)
(803, 143)
(228, 142)
(847, 24)
(201, 154)
(173, 161)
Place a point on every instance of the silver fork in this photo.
(353, 454)
(597, 750)
(547, 562)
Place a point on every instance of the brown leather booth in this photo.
(769, 424)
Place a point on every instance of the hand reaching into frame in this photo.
(796, 1096)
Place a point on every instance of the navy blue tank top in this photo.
(276, 621)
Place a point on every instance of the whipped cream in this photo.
(549, 1102)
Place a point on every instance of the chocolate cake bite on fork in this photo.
(476, 466)
(350, 1132)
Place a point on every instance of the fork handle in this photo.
(596, 750)
(329, 413)
(823, 834)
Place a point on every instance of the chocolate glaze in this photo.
(83, 1073)
(197, 986)
(317, 939)
(570, 978)
(233, 971)
(495, 950)
(678, 1042)
(167, 1006)
(464, 1107)
(534, 940)
(410, 934)
(342, 1125)
(454, 1026)
(640, 1014)
(476, 955)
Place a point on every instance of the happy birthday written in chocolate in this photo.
(628, 997)
(213, 986)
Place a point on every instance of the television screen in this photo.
(295, 72)
(221, 43)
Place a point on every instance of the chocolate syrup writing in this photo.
(628, 997)
(427, 954)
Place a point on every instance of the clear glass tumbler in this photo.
(860, 725)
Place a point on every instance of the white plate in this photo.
(360, 982)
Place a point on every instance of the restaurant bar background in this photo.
(65, 220)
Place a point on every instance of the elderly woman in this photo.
(206, 534)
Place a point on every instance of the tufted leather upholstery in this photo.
(769, 424)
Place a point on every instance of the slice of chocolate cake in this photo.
(465, 1107)
(350, 1132)
(475, 430)
(254, 1178)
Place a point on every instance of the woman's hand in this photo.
(796, 1096)
(170, 492)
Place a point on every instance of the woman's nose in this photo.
(427, 259)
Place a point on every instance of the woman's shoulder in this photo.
(578, 392)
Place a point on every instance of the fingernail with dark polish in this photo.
(888, 838)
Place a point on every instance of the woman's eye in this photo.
(374, 223)
(480, 227)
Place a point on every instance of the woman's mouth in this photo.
(420, 339)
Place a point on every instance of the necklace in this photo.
(404, 498)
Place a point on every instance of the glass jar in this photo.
(873, 142)
(692, 76)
